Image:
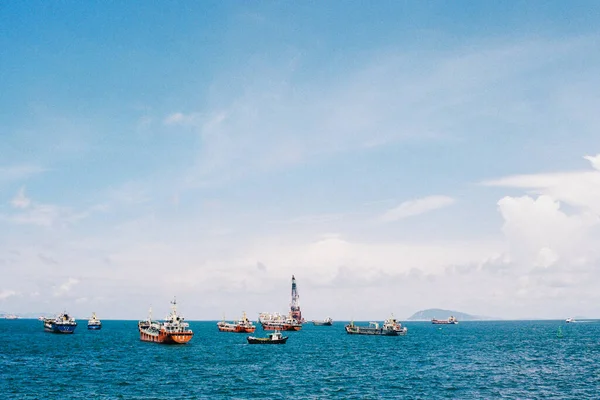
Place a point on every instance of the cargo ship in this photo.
(63, 323)
(243, 325)
(94, 323)
(276, 322)
(391, 327)
(173, 330)
(326, 322)
(450, 321)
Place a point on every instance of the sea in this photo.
(471, 360)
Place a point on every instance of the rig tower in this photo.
(295, 304)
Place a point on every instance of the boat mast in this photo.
(174, 306)
(295, 304)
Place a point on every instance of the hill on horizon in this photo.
(430, 313)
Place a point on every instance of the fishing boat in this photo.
(94, 323)
(63, 323)
(391, 327)
(243, 325)
(173, 330)
(326, 322)
(276, 322)
(273, 338)
(450, 321)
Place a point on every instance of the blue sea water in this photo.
(472, 360)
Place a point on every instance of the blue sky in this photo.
(434, 150)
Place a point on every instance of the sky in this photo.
(393, 156)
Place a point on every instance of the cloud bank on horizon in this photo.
(390, 167)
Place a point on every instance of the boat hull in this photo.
(358, 330)
(378, 332)
(237, 329)
(443, 322)
(320, 323)
(253, 340)
(281, 327)
(166, 338)
(59, 328)
(94, 327)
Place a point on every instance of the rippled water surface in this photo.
(472, 360)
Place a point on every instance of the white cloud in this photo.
(553, 249)
(594, 160)
(273, 119)
(38, 214)
(65, 287)
(546, 257)
(19, 172)
(415, 207)
(45, 215)
(129, 193)
(539, 232)
(179, 118)
(5, 294)
(20, 200)
(580, 189)
(265, 126)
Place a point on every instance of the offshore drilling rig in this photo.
(295, 304)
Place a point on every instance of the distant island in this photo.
(438, 313)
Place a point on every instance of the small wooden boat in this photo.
(273, 338)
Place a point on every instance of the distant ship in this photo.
(569, 320)
(64, 323)
(276, 322)
(243, 325)
(173, 330)
(94, 323)
(326, 322)
(391, 327)
(11, 316)
(449, 321)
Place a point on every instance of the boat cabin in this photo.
(275, 335)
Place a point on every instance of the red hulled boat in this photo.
(243, 325)
(173, 330)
